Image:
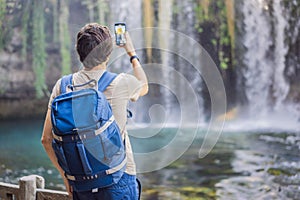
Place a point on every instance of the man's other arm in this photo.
(137, 68)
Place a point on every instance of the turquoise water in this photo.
(21, 152)
(241, 163)
(20, 140)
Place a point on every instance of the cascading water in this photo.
(280, 85)
(266, 87)
(257, 41)
(164, 22)
(162, 38)
(266, 28)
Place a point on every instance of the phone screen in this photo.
(120, 29)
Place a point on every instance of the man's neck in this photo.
(98, 67)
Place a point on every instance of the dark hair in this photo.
(94, 44)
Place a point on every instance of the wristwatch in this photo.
(133, 57)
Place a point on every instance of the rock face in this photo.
(16, 77)
(17, 91)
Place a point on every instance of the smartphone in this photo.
(120, 29)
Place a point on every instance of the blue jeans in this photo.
(126, 189)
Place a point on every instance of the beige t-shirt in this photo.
(123, 88)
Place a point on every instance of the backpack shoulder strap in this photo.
(65, 81)
(105, 80)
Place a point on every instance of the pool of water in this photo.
(21, 153)
(242, 165)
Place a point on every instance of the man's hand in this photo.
(129, 45)
(68, 187)
(137, 68)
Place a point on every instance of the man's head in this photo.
(94, 44)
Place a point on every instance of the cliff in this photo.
(17, 78)
(30, 60)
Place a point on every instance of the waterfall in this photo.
(258, 68)
(167, 16)
(280, 85)
(265, 83)
(137, 14)
(164, 22)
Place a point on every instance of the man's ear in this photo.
(107, 59)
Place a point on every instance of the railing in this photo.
(30, 188)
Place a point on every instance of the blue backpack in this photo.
(87, 141)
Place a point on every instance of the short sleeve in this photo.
(134, 87)
(55, 93)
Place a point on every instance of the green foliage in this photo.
(2, 18)
(55, 23)
(64, 37)
(214, 42)
(215, 13)
(103, 11)
(194, 192)
(202, 11)
(200, 18)
(184, 193)
(25, 21)
(38, 48)
(223, 60)
(224, 38)
(199, 14)
(65, 51)
(175, 9)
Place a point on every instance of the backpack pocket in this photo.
(83, 158)
(113, 145)
(106, 150)
(60, 154)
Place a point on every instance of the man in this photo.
(94, 46)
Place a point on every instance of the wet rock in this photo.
(278, 172)
(15, 43)
(8, 172)
(171, 195)
(179, 193)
